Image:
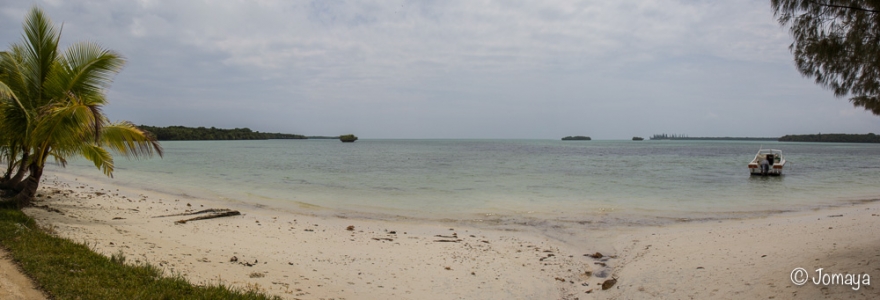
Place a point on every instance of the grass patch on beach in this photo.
(69, 270)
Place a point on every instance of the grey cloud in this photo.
(519, 69)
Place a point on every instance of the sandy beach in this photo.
(297, 255)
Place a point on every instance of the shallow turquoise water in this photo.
(508, 179)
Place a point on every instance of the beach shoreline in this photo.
(300, 255)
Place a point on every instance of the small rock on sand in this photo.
(609, 283)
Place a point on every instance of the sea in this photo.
(593, 183)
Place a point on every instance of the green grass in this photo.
(69, 270)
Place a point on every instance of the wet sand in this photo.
(298, 255)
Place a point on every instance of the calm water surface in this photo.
(578, 181)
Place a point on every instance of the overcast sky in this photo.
(454, 69)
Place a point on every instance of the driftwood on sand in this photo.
(212, 213)
(204, 211)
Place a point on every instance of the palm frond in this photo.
(13, 77)
(6, 92)
(63, 127)
(41, 50)
(14, 122)
(99, 156)
(87, 71)
(59, 158)
(12, 69)
(128, 140)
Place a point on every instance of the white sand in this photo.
(753, 259)
(300, 256)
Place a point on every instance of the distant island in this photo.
(181, 133)
(576, 138)
(348, 138)
(832, 138)
(638, 138)
(684, 137)
(821, 138)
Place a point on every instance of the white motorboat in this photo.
(768, 162)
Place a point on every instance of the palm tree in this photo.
(50, 107)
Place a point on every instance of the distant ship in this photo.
(638, 138)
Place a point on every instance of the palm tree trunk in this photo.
(14, 184)
(18, 175)
(10, 167)
(11, 163)
(29, 186)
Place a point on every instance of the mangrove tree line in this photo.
(181, 133)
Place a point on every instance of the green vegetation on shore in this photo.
(348, 138)
(832, 138)
(68, 270)
(726, 138)
(576, 138)
(181, 133)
